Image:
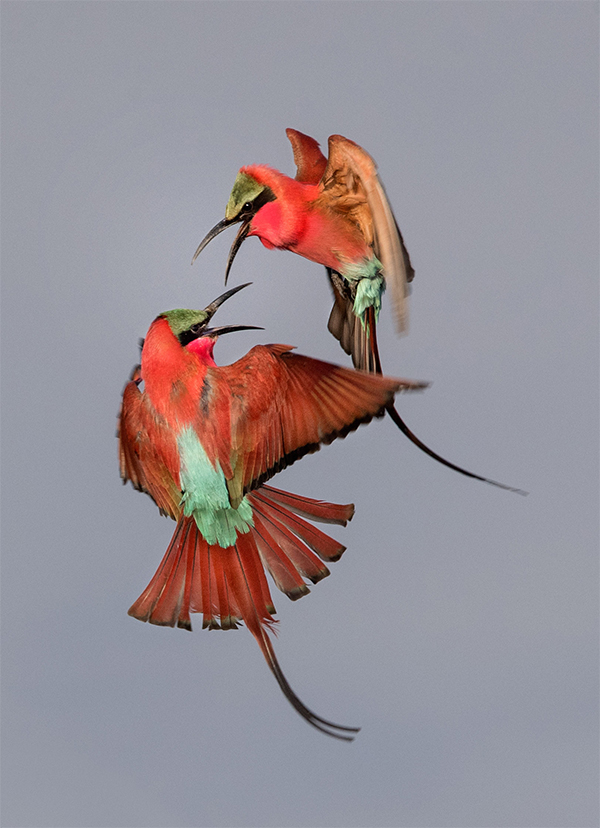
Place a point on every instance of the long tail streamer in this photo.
(391, 410)
(229, 585)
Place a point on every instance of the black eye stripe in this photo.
(185, 337)
(252, 207)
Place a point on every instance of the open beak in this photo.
(218, 228)
(212, 234)
(237, 243)
(230, 329)
(216, 303)
(223, 329)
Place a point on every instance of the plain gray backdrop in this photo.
(459, 629)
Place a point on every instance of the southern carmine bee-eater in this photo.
(202, 440)
(334, 212)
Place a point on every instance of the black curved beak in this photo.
(216, 303)
(230, 329)
(213, 307)
(218, 228)
(237, 242)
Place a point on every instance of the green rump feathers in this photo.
(370, 285)
(205, 495)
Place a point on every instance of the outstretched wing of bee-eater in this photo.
(202, 440)
(334, 212)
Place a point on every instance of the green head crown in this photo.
(247, 197)
(245, 190)
(188, 325)
(184, 319)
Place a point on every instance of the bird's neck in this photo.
(281, 223)
(203, 349)
(295, 221)
(173, 376)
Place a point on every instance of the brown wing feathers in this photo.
(297, 405)
(308, 158)
(350, 185)
(148, 451)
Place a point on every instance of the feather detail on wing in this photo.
(350, 185)
(285, 405)
(308, 158)
(148, 453)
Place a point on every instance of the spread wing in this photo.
(285, 405)
(308, 158)
(350, 184)
(148, 450)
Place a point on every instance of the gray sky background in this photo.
(459, 629)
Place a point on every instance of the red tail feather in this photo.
(145, 604)
(326, 547)
(229, 585)
(192, 576)
(307, 507)
(280, 567)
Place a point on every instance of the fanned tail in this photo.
(287, 543)
(229, 586)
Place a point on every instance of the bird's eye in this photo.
(196, 328)
(247, 208)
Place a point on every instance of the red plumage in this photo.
(334, 212)
(196, 577)
(229, 585)
(252, 418)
